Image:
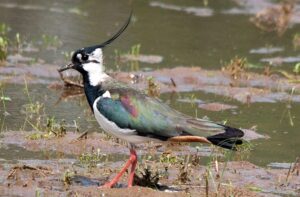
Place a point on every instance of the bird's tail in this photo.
(228, 139)
(217, 134)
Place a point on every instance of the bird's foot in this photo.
(132, 161)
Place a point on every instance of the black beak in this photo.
(67, 67)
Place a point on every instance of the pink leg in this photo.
(132, 160)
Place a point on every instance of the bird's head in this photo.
(86, 60)
(89, 60)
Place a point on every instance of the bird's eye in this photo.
(85, 57)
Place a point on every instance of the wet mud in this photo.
(64, 177)
(249, 88)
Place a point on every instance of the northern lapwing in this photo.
(133, 116)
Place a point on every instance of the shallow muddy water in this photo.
(183, 34)
(273, 120)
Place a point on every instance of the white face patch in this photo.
(95, 72)
(95, 69)
(97, 55)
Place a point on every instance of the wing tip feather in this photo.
(228, 139)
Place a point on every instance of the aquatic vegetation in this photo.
(4, 29)
(4, 99)
(134, 52)
(50, 130)
(134, 57)
(213, 176)
(3, 49)
(254, 188)
(170, 159)
(34, 108)
(51, 42)
(31, 107)
(59, 130)
(148, 178)
(236, 67)
(184, 171)
(244, 151)
(296, 69)
(36, 136)
(292, 77)
(6, 42)
(18, 42)
(67, 55)
(296, 40)
(90, 160)
(36, 118)
(153, 88)
(34, 113)
(67, 177)
(37, 193)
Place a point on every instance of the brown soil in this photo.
(69, 144)
(177, 177)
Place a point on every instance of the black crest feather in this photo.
(115, 36)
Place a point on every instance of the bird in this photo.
(131, 115)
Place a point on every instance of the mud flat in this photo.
(158, 175)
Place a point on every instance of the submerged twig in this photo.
(82, 136)
(69, 82)
(173, 82)
(297, 166)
